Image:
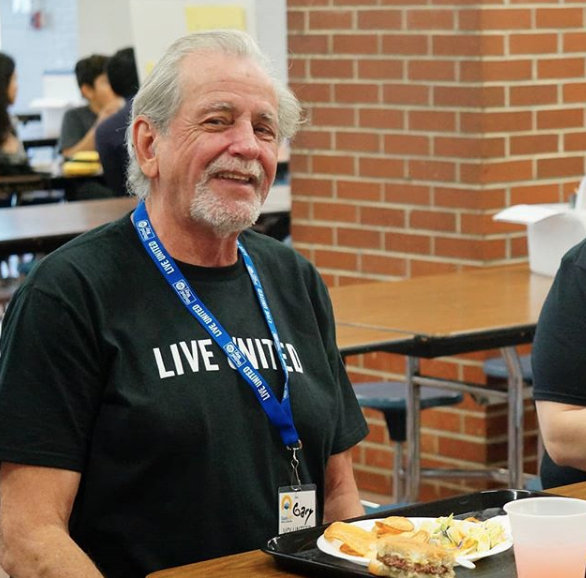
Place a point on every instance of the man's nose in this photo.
(244, 141)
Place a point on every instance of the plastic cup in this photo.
(549, 536)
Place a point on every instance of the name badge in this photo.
(297, 506)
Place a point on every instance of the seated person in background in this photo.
(137, 432)
(559, 373)
(111, 133)
(12, 153)
(79, 124)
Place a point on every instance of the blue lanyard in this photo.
(279, 413)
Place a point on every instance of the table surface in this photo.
(45, 226)
(456, 312)
(257, 563)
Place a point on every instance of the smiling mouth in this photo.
(237, 177)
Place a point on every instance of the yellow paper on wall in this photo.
(210, 17)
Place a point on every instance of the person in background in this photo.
(559, 370)
(165, 379)
(111, 133)
(11, 150)
(79, 124)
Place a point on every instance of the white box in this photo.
(52, 112)
(551, 231)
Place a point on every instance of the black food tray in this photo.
(297, 551)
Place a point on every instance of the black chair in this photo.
(390, 397)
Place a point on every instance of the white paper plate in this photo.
(333, 548)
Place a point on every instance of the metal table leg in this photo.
(515, 417)
(413, 469)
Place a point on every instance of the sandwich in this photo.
(399, 557)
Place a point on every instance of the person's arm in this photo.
(342, 500)
(35, 505)
(563, 428)
(88, 141)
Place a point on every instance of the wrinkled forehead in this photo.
(222, 78)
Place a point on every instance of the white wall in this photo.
(103, 26)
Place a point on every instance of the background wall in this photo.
(425, 119)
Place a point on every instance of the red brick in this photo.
(295, 21)
(495, 19)
(381, 167)
(432, 220)
(432, 120)
(407, 144)
(575, 141)
(487, 122)
(473, 147)
(359, 238)
(574, 42)
(561, 68)
(313, 139)
(534, 144)
(405, 44)
(331, 68)
(472, 249)
(469, 96)
(361, 191)
(334, 164)
(381, 118)
(535, 193)
(330, 19)
(384, 68)
(564, 167)
(432, 70)
(497, 71)
(497, 172)
(430, 19)
(567, 17)
(382, 217)
(357, 93)
(468, 45)
(336, 212)
(407, 194)
(533, 43)
(297, 68)
(379, 19)
(300, 210)
(334, 116)
(358, 141)
(336, 259)
(311, 186)
(406, 243)
(408, 94)
(533, 95)
(355, 44)
(308, 43)
(468, 198)
(308, 93)
(312, 234)
(555, 119)
(574, 92)
(432, 170)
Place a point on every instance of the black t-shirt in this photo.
(103, 371)
(558, 358)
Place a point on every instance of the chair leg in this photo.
(399, 475)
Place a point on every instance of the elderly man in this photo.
(170, 383)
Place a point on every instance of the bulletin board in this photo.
(157, 23)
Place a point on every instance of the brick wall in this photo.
(425, 119)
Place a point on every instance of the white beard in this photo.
(227, 217)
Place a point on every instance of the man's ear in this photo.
(144, 136)
(87, 91)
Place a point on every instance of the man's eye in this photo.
(216, 121)
(265, 131)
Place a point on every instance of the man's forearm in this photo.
(48, 553)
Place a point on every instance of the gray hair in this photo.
(160, 95)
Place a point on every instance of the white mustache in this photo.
(251, 168)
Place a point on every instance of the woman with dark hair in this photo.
(9, 142)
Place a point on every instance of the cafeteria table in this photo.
(443, 315)
(256, 563)
(43, 228)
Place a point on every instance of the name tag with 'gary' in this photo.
(297, 506)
